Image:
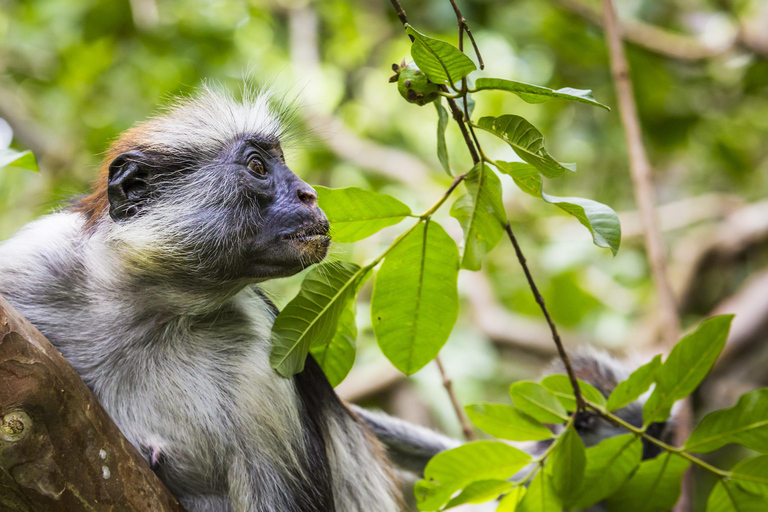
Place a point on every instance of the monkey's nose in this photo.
(307, 196)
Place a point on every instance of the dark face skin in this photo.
(251, 217)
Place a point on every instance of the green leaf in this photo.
(355, 213)
(442, 147)
(536, 93)
(566, 464)
(540, 497)
(527, 141)
(654, 487)
(560, 386)
(509, 502)
(609, 464)
(21, 159)
(598, 218)
(415, 299)
(440, 61)
(480, 492)
(745, 491)
(337, 355)
(745, 423)
(481, 215)
(312, 316)
(506, 422)
(636, 384)
(454, 469)
(536, 401)
(687, 365)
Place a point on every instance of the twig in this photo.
(580, 404)
(448, 385)
(641, 177)
(464, 27)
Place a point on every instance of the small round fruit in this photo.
(414, 85)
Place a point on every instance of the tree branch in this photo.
(466, 428)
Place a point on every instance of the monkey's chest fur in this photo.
(196, 391)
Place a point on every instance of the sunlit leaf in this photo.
(442, 148)
(745, 423)
(526, 141)
(537, 401)
(541, 496)
(481, 215)
(687, 365)
(636, 384)
(609, 464)
(566, 464)
(415, 299)
(598, 218)
(560, 386)
(312, 316)
(654, 487)
(455, 469)
(440, 61)
(509, 502)
(337, 355)
(536, 93)
(20, 159)
(480, 492)
(506, 422)
(355, 213)
(745, 491)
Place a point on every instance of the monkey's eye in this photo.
(257, 167)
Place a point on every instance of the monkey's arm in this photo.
(409, 446)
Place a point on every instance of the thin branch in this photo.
(580, 404)
(642, 180)
(464, 27)
(466, 428)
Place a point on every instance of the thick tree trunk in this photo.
(59, 451)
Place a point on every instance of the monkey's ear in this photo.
(128, 187)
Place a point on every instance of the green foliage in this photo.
(687, 365)
(745, 491)
(311, 318)
(538, 402)
(745, 423)
(598, 218)
(455, 469)
(442, 147)
(609, 464)
(566, 465)
(336, 356)
(440, 61)
(526, 141)
(536, 93)
(654, 487)
(415, 298)
(506, 422)
(540, 496)
(19, 159)
(481, 215)
(355, 213)
(637, 384)
(560, 386)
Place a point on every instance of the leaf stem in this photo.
(466, 428)
(580, 403)
(661, 444)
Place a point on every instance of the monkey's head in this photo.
(203, 192)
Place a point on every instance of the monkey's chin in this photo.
(312, 248)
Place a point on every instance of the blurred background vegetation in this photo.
(75, 73)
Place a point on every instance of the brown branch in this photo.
(466, 428)
(641, 176)
(580, 404)
(60, 450)
(464, 27)
(642, 180)
(651, 37)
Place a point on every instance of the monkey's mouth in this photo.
(315, 233)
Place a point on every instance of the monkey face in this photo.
(240, 215)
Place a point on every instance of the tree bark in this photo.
(59, 450)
